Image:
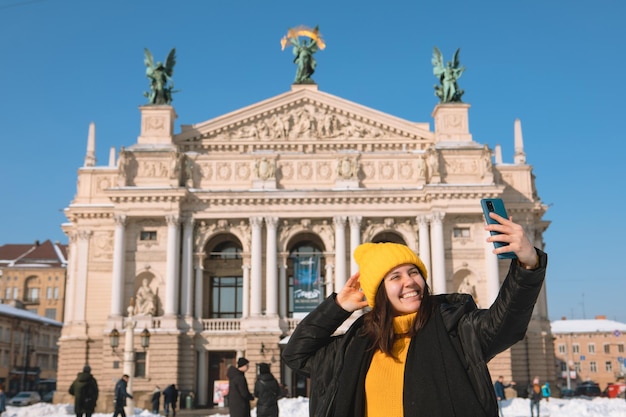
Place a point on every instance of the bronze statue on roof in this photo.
(160, 75)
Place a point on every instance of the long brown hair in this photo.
(378, 323)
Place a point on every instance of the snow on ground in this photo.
(299, 407)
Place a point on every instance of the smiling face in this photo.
(404, 286)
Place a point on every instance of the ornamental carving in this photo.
(286, 169)
(242, 170)
(265, 169)
(347, 168)
(154, 124)
(302, 122)
(224, 171)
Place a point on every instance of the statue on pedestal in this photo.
(303, 51)
(448, 91)
(145, 301)
(160, 75)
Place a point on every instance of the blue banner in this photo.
(307, 283)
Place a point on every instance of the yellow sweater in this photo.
(384, 382)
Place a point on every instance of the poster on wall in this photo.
(220, 391)
(307, 285)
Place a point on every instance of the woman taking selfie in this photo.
(414, 353)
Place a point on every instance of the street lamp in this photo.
(129, 351)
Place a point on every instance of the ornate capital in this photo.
(256, 222)
(271, 222)
(172, 220)
(339, 221)
(119, 219)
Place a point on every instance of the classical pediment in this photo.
(303, 114)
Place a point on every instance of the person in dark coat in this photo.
(499, 386)
(414, 354)
(170, 397)
(239, 396)
(85, 392)
(267, 390)
(121, 394)
(156, 400)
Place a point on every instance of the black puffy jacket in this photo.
(338, 364)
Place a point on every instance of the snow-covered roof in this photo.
(7, 310)
(586, 326)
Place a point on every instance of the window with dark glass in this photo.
(148, 235)
(140, 364)
(226, 282)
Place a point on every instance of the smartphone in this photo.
(496, 205)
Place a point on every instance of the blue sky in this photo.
(555, 64)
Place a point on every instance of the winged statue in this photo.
(160, 75)
(448, 91)
(304, 50)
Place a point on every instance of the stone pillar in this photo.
(70, 292)
(355, 240)
(171, 277)
(493, 273)
(284, 297)
(438, 253)
(187, 269)
(199, 287)
(424, 245)
(452, 122)
(119, 261)
(81, 276)
(329, 279)
(203, 378)
(245, 307)
(271, 270)
(340, 252)
(256, 261)
(157, 125)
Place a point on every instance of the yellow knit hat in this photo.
(375, 260)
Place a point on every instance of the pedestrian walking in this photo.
(156, 400)
(534, 395)
(499, 387)
(121, 394)
(85, 391)
(239, 395)
(170, 397)
(267, 390)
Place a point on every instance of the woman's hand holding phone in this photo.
(514, 238)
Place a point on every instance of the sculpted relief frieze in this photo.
(306, 121)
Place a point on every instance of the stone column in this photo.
(284, 297)
(256, 261)
(438, 253)
(203, 378)
(424, 245)
(245, 307)
(329, 279)
(81, 276)
(355, 240)
(271, 270)
(493, 273)
(171, 277)
(340, 252)
(199, 287)
(119, 261)
(70, 292)
(187, 268)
